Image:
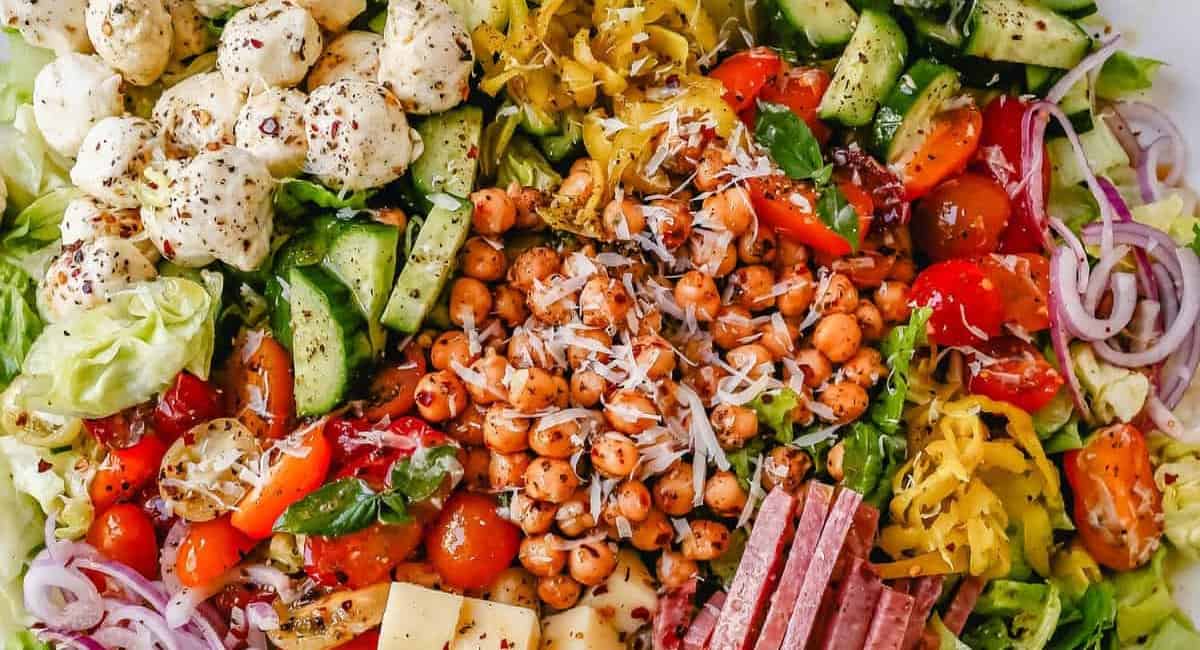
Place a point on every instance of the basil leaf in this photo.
(339, 508)
(420, 475)
(393, 509)
(837, 213)
(791, 143)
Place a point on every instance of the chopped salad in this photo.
(592, 324)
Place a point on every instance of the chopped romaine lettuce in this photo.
(524, 165)
(30, 239)
(774, 409)
(297, 197)
(1017, 616)
(742, 460)
(1084, 624)
(946, 639)
(1074, 205)
(19, 321)
(18, 72)
(871, 458)
(1144, 602)
(1124, 74)
(20, 534)
(897, 349)
(1115, 393)
(1178, 476)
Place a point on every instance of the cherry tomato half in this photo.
(291, 477)
(391, 391)
(362, 558)
(257, 381)
(1014, 372)
(364, 641)
(188, 402)
(125, 534)
(949, 146)
(967, 307)
(790, 208)
(470, 543)
(124, 472)
(1118, 508)
(1000, 157)
(744, 74)
(208, 551)
(121, 430)
(962, 217)
(1024, 283)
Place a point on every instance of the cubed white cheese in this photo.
(419, 619)
(629, 598)
(580, 628)
(484, 625)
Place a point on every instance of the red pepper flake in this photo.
(1170, 479)
(640, 613)
(334, 128)
(256, 44)
(269, 126)
(473, 152)
(504, 644)
(44, 466)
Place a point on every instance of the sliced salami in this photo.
(756, 574)
(890, 621)
(925, 592)
(854, 605)
(674, 610)
(963, 604)
(705, 622)
(808, 533)
(816, 579)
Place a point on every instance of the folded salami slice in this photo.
(705, 622)
(756, 574)
(962, 605)
(833, 536)
(890, 621)
(674, 610)
(853, 608)
(808, 533)
(925, 592)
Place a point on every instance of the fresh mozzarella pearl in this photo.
(198, 114)
(133, 36)
(270, 44)
(353, 55)
(190, 31)
(53, 24)
(218, 8)
(70, 95)
(427, 57)
(86, 274)
(271, 126)
(87, 219)
(334, 15)
(112, 158)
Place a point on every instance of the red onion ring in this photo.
(153, 623)
(68, 640)
(129, 580)
(1088, 63)
(1075, 316)
(1155, 242)
(1147, 169)
(1101, 277)
(1062, 353)
(1149, 115)
(1149, 288)
(1177, 332)
(62, 597)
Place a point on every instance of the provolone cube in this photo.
(629, 597)
(580, 628)
(419, 619)
(484, 625)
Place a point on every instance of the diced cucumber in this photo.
(1072, 8)
(934, 30)
(329, 339)
(565, 144)
(866, 70)
(536, 121)
(451, 152)
(827, 24)
(363, 257)
(1077, 104)
(1101, 147)
(905, 117)
(429, 266)
(1020, 32)
(477, 12)
(1039, 79)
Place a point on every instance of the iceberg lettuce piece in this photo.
(1167, 215)
(29, 167)
(19, 321)
(57, 480)
(21, 524)
(1177, 474)
(18, 72)
(1115, 393)
(1144, 602)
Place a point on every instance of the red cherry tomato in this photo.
(947, 149)
(790, 208)
(967, 308)
(188, 402)
(124, 472)
(1000, 157)
(1013, 371)
(121, 430)
(257, 381)
(962, 217)
(1024, 283)
(362, 558)
(123, 533)
(744, 74)
(359, 456)
(470, 543)
(391, 391)
(208, 551)
(290, 478)
(1118, 508)
(801, 90)
(364, 641)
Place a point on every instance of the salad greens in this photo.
(297, 197)
(1084, 622)
(20, 533)
(18, 72)
(1016, 616)
(774, 409)
(29, 167)
(792, 145)
(1146, 613)
(870, 460)
(30, 238)
(53, 478)
(523, 164)
(19, 321)
(897, 350)
(1124, 74)
(1115, 393)
(1177, 474)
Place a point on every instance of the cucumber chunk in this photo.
(451, 152)
(363, 257)
(329, 339)
(827, 24)
(1071, 8)
(866, 71)
(1016, 31)
(905, 117)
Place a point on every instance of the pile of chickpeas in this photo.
(503, 414)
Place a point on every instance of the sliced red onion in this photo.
(1177, 332)
(1090, 62)
(129, 580)
(118, 638)
(1155, 242)
(1147, 169)
(170, 553)
(1101, 277)
(269, 576)
(1075, 246)
(262, 616)
(62, 597)
(153, 623)
(1145, 281)
(1167, 291)
(1166, 422)
(1152, 116)
(68, 640)
(1075, 316)
(1062, 353)
(1122, 132)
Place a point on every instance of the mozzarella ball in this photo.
(218, 8)
(353, 55)
(57, 25)
(198, 114)
(272, 44)
(358, 136)
(427, 57)
(87, 219)
(133, 36)
(334, 15)
(112, 158)
(86, 274)
(271, 126)
(70, 95)
(218, 208)
(190, 35)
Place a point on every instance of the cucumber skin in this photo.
(348, 328)
(992, 31)
(344, 260)
(840, 102)
(447, 164)
(899, 104)
(428, 268)
(826, 24)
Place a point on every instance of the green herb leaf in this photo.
(393, 509)
(338, 508)
(791, 143)
(1124, 74)
(837, 213)
(419, 476)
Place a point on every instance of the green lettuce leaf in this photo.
(742, 460)
(24, 640)
(1124, 74)
(1144, 602)
(870, 460)
(774, 409)
(28, 166)
(1115, 393)
(946, 639)
(1177, 472)
(297, 197)
(124, 352)
(725, 567)
(30, 239)
(18, 72)
(19, 321)
(1019, 616)
(1167, 215)
(57, 479)
(1173, 634)
(21, 523)
(898, 349)
(523, 164)
(1084, 625)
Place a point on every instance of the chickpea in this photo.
(779, 338)
(470, 301)
(847, 400)
(477, 468)
(698, 292)
(532, 266)
(801, 287)
(724, 495)
(548, 305)
(531, 389)
(674, 570)
(731, 208)
(508, 470)
(630, 411)
(527, 200)
(865, 368)
(671, 221)
(752, 287)
(574, 517)
(870, 320)
(494, 211)
(653, 533)
(892, 299)
(791, 253)
(592, 563)
(650, 323)
(704, 380)
(467, 428)
(615, 455)
(542, 555)
(633, 500)
(440, 396)
(903, 270)
(492, 367)
(533, 516)
(734, 425)
(709, 540)
(562, 392)
(712, 254)
(450, 347)
(525, 350)
(785, 467)
(757, 248)
(577, 353)
(674, 492)
(653, 354)
(482, 261)
(559, 592)
(815, 366)
(732, 327)
(753, 358)
(803, 414)
(604, 302)
(834, 460)
(587, 387)
(837, 336)
(550, 479)
(839, 297)
(622, 219)
(509, 305)
(554, 441)
(709, 170)
(504, 433)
